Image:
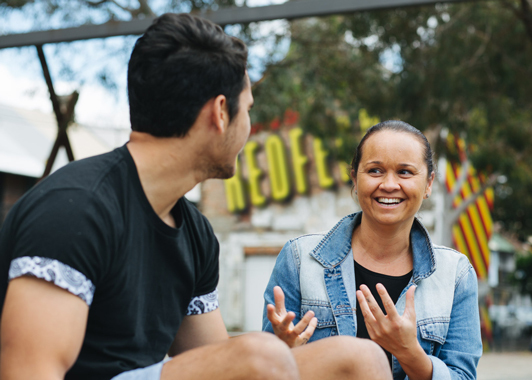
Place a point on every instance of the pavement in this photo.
(505, 366)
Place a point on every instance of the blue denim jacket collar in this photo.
(336, 246)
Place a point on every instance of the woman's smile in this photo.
(389, 202)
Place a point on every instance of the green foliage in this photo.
(523, 273)
(464, 67)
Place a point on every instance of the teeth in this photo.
(389, 200)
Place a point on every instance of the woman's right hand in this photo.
(283, 326)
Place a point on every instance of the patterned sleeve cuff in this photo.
(203, 304)
(55, 272)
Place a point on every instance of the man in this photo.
(105, 266)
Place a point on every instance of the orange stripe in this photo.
(485, 217)
(471, 242)
(474, 219)
(490, 195)
(461, 245)
(458, 199)
(480, 235)
(483, 207)
(450, 179)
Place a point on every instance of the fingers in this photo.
(364, 307)
(304, 322)
(410, 309)
(287, 320)
(389, 306)
(371, 303)
(307, 334)
(272, 315)
(278, 296)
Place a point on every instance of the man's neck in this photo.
(166, 168)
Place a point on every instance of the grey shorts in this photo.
(152, 372)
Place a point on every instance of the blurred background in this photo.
(322, 73)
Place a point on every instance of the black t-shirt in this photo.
(92, 216)
(394, 286)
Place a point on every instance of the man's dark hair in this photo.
(180, 63)
(395, 126)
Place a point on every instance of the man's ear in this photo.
(220, 114)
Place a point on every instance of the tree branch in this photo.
(526, 13)
(508, 5)
(143, 7)
(455, 214)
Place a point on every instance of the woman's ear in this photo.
(428, 190)
(354, 179)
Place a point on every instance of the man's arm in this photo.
(42, 330)
(199, 330)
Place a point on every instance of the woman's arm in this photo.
(459, 355)
(282, 294)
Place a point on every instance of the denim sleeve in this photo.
(286, 275)
(459, 355)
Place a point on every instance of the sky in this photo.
(22, 84)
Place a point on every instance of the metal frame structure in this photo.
(236, 15)
(225, 16)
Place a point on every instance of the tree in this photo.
(50, 14)
(463, 68)
(523, 273)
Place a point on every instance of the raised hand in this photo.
(393, 332)
(282, 322)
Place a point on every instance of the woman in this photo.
(418, 301)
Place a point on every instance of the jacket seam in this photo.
(296, 257)
(462, 275)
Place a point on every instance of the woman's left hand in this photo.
(395, 333)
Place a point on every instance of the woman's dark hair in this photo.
(180, 63)
(395, 126)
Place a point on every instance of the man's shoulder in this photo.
(89, 173)
(195, 217)
(86, 185)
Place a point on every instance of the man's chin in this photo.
(222, 172)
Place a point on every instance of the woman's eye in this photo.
(405, 172)
(375, 171)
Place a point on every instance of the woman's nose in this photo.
(389, 183)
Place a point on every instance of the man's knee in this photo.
(265, 357)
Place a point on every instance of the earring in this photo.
(356, 192)
(427, 196)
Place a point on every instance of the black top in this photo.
(94, 217)
(394, 286)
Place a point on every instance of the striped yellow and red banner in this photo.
(473, 230)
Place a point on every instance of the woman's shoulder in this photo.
(451, 259)
(308, 241)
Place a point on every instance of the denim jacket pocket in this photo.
(433, 332)
(326, 323)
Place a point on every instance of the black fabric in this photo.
(394, 286)
(93, 216)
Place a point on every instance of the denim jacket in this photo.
(316, 272)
